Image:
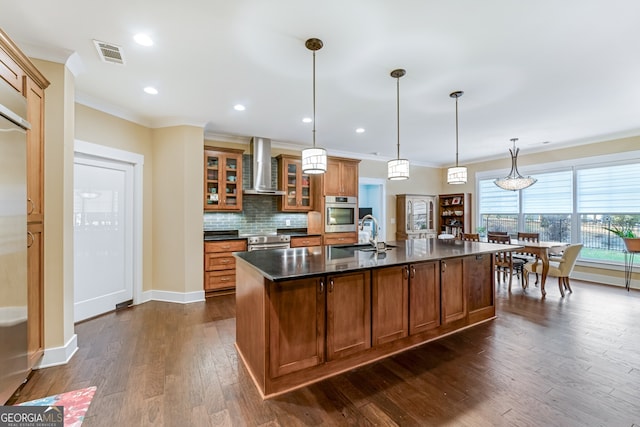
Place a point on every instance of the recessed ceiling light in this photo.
(360, 130)
(143, 39)
(307, 120)
(151, 90)
(239, 107)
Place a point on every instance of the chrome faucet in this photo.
(374, 238)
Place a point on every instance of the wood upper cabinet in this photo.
(296, 185)
(296, 325)
(452, 290)
(10, 71)
(35, 151)
(424, 296)
(348, 314)
(390, 304)
(341, 178)
(222, 179)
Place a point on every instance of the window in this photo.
(569, 204)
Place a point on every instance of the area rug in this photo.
(76, 403)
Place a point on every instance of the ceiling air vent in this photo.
(110, 52)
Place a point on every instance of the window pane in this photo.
(494, 199)
(492, 222)
(612, 189)
(555, 228)
(553, 193)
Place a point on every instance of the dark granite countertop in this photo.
(283, 264)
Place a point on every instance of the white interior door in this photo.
(103, 235)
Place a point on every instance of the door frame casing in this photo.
(101, 152)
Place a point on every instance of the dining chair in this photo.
(526, 256)
(471, 237)
(503, 261)
(561, 268)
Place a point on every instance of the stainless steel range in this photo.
(268, 241)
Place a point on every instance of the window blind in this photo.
(553, 193)
(611, 189)
(495, 200)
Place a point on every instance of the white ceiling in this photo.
(563, 72)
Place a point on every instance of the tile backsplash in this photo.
(259, 215)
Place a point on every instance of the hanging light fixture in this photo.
(457, 175)
(314, 159)
(514, 181)
(398, 168)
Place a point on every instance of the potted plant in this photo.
(631, 241)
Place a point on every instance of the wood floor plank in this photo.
(572, 361)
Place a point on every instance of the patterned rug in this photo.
(75, 404)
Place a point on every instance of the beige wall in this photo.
(178, 182)
(104, 129)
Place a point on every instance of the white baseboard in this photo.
(169, 296)
(603, 278)
(58, 355)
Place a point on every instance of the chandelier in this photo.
(514, 181)
(314, 159)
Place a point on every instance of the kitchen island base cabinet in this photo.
(390, 304)
(348, 314)
(369, 314)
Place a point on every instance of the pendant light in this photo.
(514, 181)
(398, 168)
(457, 175)
(314, 160)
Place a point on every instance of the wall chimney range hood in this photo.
(260, 168)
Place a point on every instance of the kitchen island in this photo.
(305, 314)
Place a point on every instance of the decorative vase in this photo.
(632, 244)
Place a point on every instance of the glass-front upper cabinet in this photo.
(295, 183)
(223, 180)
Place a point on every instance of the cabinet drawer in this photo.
(214, 261)
(225, 246)
(219, 280)
(340, 238)
(301, 242)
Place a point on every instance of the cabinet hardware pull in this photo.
(331, 285)
(444, 266)
(405, 271)
(413, 272)
(32, 238)
(32, 206)
(224, 279)
(225, 247)
(225, 261)
(321, 286)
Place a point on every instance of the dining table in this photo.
(541, 250)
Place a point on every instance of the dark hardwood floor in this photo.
(572, 361)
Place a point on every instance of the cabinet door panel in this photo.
(479, 282)
(348, 314)
(332, 178)
(35, 293)
(296, 325)
(35, 154)
(454, 298)
(424, 291)
(390, 302)
(349, 179)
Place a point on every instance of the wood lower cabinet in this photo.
(296, 325)
(452, 291)
(479, 283)
(35, 293)
(305, 241)
(424, 296)
(390, 304)
(220, 264)
(298, 331)
(348, 314)
(340, 238)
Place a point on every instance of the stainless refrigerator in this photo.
(13, 240)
